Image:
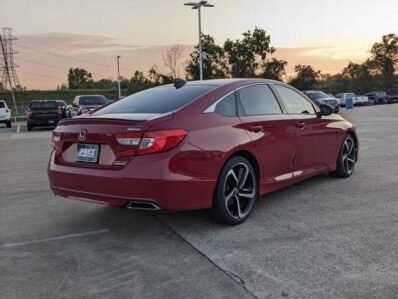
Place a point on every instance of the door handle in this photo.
(300, 125)
(256, 129)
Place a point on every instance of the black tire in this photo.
(346, 159)
(29, 127)
(8, 123)
(236, 192)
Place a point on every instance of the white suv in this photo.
(5, 114)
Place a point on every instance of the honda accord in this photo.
(215, 145)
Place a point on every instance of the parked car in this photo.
(319, 98)
(392, 95)
(378, 97)
(357, 100)
(43, 113)
(86, 103)
(64, 108)
(5, 114)
(216, 145)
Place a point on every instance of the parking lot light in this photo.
(198, 5)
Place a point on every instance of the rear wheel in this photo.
(346, 159)
(235, 193)
(29, 127)
(8, 123)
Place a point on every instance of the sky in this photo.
(56, 35)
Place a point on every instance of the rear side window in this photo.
(157, 100)
(92, 100)
(227, 106)
(43, 105)
(2, 105)
(258, 100)
(295, 103)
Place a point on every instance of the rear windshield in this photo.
(92, 100)
(61, 103)
(41, 105)
(157, 100)
(2, 105)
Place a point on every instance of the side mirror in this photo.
(325, 110)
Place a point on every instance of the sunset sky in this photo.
(90, 34)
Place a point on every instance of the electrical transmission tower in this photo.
(8, 75)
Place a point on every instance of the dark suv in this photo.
(319, 97)
(86, 103)
(378, 97)
(43, 113)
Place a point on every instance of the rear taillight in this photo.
(56, 138)
(29, 113)
(59, 111)
(150, 142)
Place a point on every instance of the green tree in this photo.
(215, 64)
(306, 77)
(360, 77)
(247, 55)
(79, 78)
(274, 69)
(384, 58)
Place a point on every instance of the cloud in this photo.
(72, 44)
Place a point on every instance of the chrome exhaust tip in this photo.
(142, 205)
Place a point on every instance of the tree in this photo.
(171, 59)
(158, 78)
(360, 77)
(79, 78)
(246, 56)
(215, 64)
(274, 69)
(384, 58)
(306, 77)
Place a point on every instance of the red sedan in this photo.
(215, 145)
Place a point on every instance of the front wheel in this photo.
(346, 159)
(235, 193)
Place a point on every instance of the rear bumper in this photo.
(118, 187)
(43, 122)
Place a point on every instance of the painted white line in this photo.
(96, 232)
(18, 129)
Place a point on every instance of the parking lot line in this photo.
(69, 236)
(18, 128)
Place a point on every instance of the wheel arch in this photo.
(355, 137)
(250, 157)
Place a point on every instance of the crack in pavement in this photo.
(231, 275)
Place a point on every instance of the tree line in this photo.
(251, 56)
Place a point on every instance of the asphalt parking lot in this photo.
(323, 238)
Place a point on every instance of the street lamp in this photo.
(118, 77)
(198, 5)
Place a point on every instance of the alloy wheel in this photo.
(239, 190)
(349, 155)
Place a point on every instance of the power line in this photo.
(41, 75)
(57, 67)
(71, 58)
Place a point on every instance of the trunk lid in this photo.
(97, 134)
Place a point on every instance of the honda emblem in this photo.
(82, 135)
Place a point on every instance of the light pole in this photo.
(118, 77)
(198, 5)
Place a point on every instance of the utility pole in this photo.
(118, 77)
(7, 68)
(198, 5)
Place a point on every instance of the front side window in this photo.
(258, 100)
(157, 100)
(295, 103)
